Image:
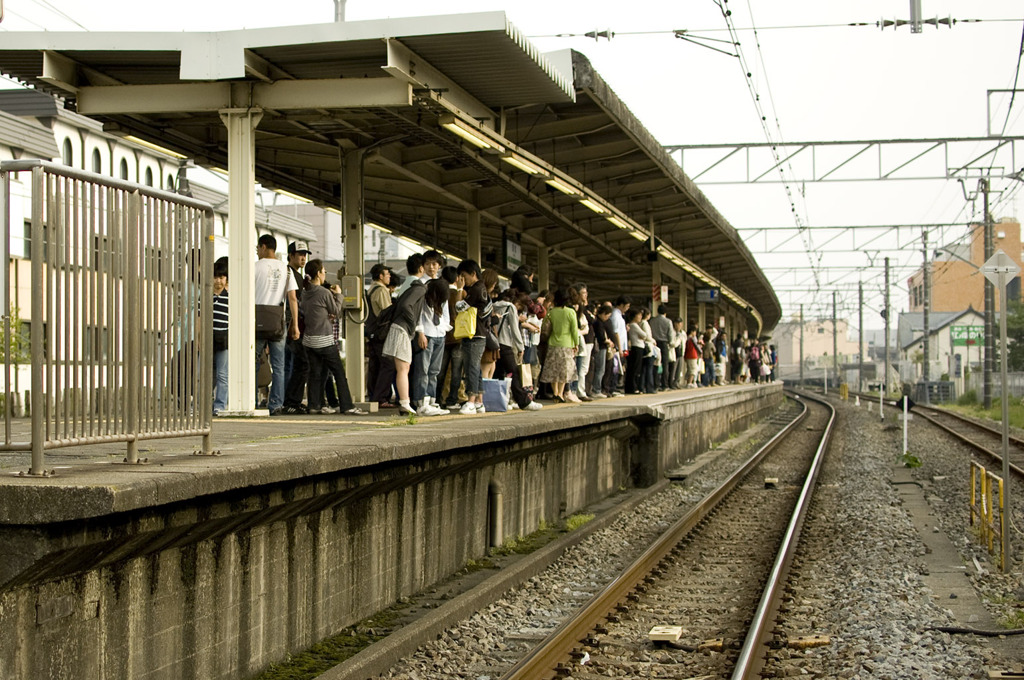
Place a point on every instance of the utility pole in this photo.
(885, 314)
(860, 326)
(926, 369)
(990, 303)
(835, 342)
(801, 346)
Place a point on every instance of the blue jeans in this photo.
(424, 378)
(709, 373)
(220, 381)
(451, 358)
(276, 399)
(473, 350)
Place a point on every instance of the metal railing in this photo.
(988, 511)
(119, 350)
(1014, 383)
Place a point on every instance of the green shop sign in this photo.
(964, 336)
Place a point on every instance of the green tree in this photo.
(17, 346)
(1015, 336)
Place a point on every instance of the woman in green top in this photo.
(563, 338)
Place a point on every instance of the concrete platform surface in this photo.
(92, 481)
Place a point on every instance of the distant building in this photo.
(945, 335)
(956, 283)
(817, 345)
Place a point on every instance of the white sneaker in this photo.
(406, 410)
(513, 406)
(480, 408)
(468, 409)
(328, 410)
(534, 406)
(431, 410)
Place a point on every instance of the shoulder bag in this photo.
(269, 322)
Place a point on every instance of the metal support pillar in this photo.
(835, 341)
(860, 326)
(241, 125)
(990, 306)
(543, 271)
(801, 346)
(1005, 403)
(685, 291)
(885, 385)
(473, 236)
(655, 286)
(352, 230)
(926, 271)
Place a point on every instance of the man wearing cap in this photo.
(274, 287)
(296, 365)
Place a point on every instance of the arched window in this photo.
(97, 164)
(170, 183)
(149, 177)
(67, 153)
(124, 169)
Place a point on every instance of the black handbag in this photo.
(269, 322)
(491, 340)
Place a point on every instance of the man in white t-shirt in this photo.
(274, 285)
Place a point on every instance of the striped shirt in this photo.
(220, 311)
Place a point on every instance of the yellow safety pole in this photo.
(991, 523)
(984, 507)
(1002, 524)
(974, 493)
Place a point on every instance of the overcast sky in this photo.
(830, 82)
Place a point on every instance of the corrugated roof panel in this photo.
(29, 136)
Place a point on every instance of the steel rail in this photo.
(541, 662)
(749, 664)
(921, 409)
(1018, 442)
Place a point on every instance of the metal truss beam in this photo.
(892, 159)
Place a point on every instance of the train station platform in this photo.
(217, 566)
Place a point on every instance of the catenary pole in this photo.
(925, 365)
(801, 346)
(860, 336)
(1005, 403)
(990, 340)
(835, 341)
(885, 385)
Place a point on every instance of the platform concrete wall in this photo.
(222, 585)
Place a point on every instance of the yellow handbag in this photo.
(465, 324)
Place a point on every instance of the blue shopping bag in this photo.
(496, 394)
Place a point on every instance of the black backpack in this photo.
(377, 327)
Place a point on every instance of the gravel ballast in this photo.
(859, 578)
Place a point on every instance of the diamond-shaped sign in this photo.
(999, 263)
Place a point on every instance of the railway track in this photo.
(986, 439)
(714, 579)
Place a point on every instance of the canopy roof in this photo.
(385, 88)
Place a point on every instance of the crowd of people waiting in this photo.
(435, 335)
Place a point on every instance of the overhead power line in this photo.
(684, 33)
